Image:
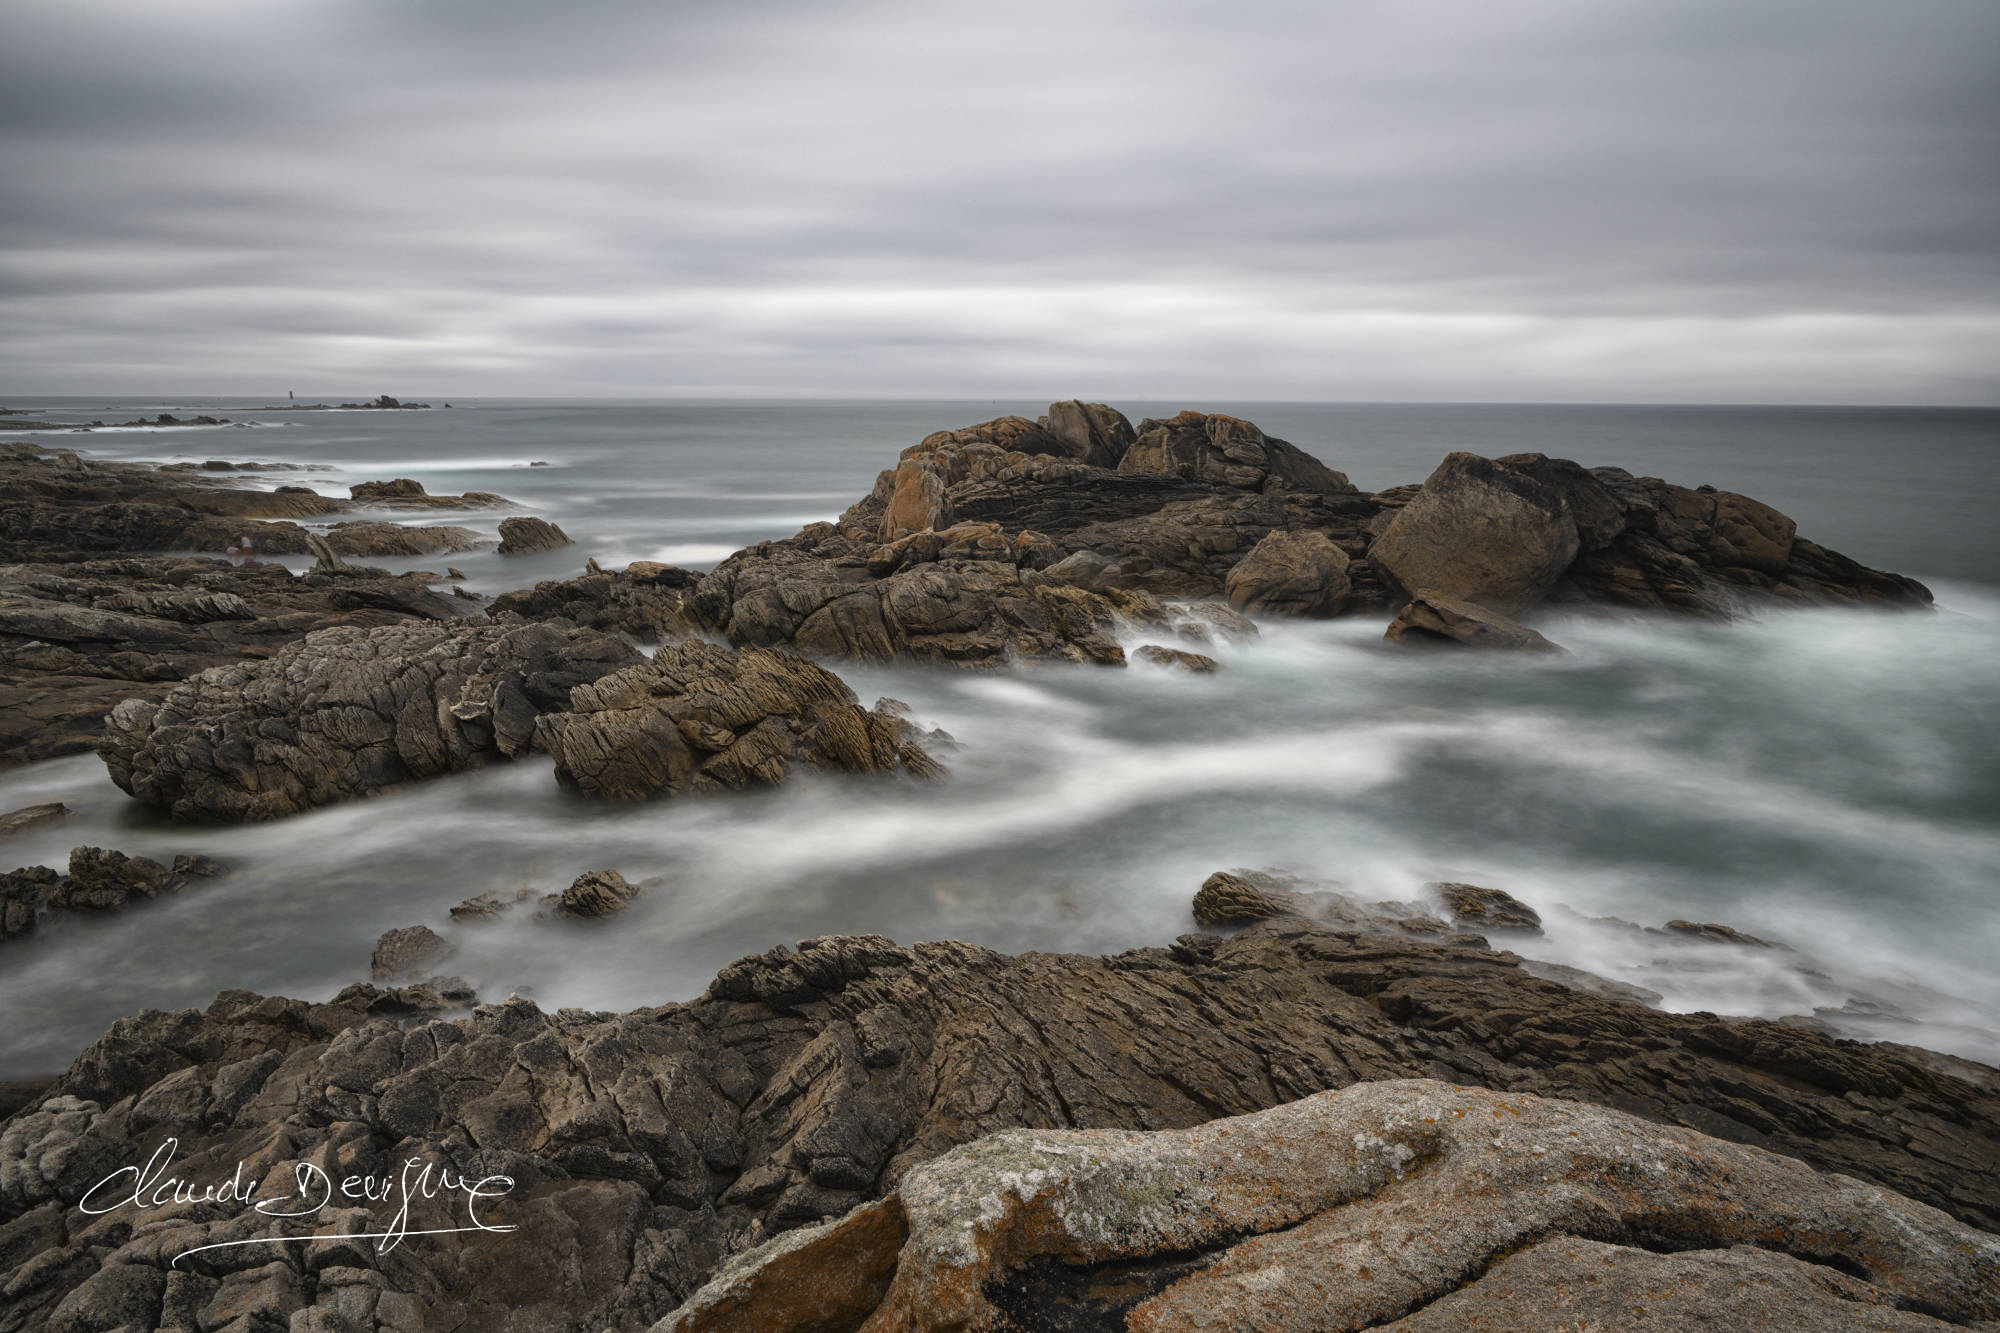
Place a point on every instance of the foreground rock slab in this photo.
(346, 712)
(650, 1147)
(1364, 1208)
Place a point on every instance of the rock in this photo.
(596, 893)
(1230, 900)
(347, 712)
(1487, 909)
(1095, 434)
(1481, 532)
(407, 952)
(1203, 622)
(31, 816)
(1291, 574)
(1227, 451)
(1176, 659)
(23, 895)
(1403, 1204)
(486, 906)
(649, 603)
(699, 717)
(917, 502)
(402, 488)
(99, 880)
(648, 1147)
(1432, 618)
(1709, 930)
(526, 536)
(398, 539)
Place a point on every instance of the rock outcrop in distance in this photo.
(1405, 1204)
(650, 1148)
(1051, 538)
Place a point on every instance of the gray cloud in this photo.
(1562, 199)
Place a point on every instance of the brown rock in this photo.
(526, 536)
(1291, 574)
(1176, 659)
(1487, 909)
(597, 893)
(1095, 434)
(1432, 618)
(917, 503)
(1227, 451)
(1482, 532)
(31, 816)
(1230, 900)
(407, 951)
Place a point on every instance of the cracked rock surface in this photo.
(346, 712)
(1373, 1206)
(651, 1147)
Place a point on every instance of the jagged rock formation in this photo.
(648, 1147)
(99, 880)
(77, 638)
(1367, 1208)
(596, 893)
(699, 717)
(346, 712)
(1487, 909)
(644, 600)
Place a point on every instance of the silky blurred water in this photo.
(1826, 779)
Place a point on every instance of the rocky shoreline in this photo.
(843, 1096)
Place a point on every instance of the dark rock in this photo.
(1432, 618)
(486, 906)
(1176, 659)
(1231, 900)
(31, 816)
(596, 893)
(526, 536)
(647, 602)
(1227, 451)
(344, 713)
(402, 488)
(1095, 434)
(647, 1147)
(699, 717)
(406, 952)
(1291, 574)
(1487, 909)
(1709, 930)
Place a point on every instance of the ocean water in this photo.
(1826, 779)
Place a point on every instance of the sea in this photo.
(1827, 780)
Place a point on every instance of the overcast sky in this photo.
(1744, 200)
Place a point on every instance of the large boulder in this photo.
(699, 717)
(346, 712)
(1480, 531)
(1093, 433)
(1227, 451)
(1366, 1208)
(1291, 574)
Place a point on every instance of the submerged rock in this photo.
(700, 717)
(596, 893)
(99, 880)
(347, 712)
(1176, 659)
(1382, 1205)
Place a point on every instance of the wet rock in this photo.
(486, 906)
(649, 1146)
(1404, 1204)
(31, 816)
(1291, 574)
(1176, 659)
(1225, 899)
(23, 895)
(1204, 622)
(1432, 618)
(1709, 930)
(699, 717)
(1479, 532)
(403, 493)
(344, 713)
(398, 539)
(647, 601)
(1487, 909)
(596, 893)
(407, 951)
(526, 536)
(99, 880)
(402, 488)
